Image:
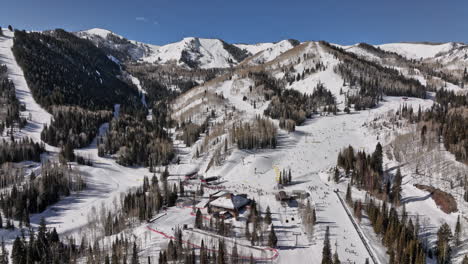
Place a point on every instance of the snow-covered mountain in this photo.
(190, 52)
(198, 53)
(270, 52)
(117, 46)
(420, 50)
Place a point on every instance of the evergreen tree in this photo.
(272, 239)
(336, 259)
(67, 153)
(326, 252)
(234, 255)
(198, 219)
(203, 254)
(221, 258)
(458, 229)
(268, 216)
(18, 252)
(444, 235)
(135, 259)
(396, 188)
(4, 254)
(349, 198)
(336, 175)
(377, 158)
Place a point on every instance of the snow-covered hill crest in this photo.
(419, 50)
(198, 53)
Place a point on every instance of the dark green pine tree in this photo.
(444, 235)
(67, 153)
(272, 239)
(396, 188)
(234, 255)
(336, 176)
(4, 254)
(326, 252)
(458, 229)
(203, 254)
(336, 259)
(198, 219)
(349, 198)
(221, 258)
(18, 252)
(42, 243)
(135, 259)
(377, 158)
(268, 216)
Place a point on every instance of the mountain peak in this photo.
(98, 32)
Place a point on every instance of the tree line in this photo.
(447, 118)
(365, 170)
(137, 141)
(39, 192)
(167, 81)
(20, 150)
(46, 246)
(257, 134)
(10, 106)
(293, 108)
(372, 79)
(191, 131)
(74, 126)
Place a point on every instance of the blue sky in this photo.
(236, 21)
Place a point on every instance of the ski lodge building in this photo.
(225, 203)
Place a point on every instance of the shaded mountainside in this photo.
(62, 69)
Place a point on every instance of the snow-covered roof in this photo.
(219, 194)
(203, 203)
(227, 202)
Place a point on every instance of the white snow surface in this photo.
(271, 52)
(418, 50)
(209, 53)
(98, 32)
(255, 48)
(39, 117)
